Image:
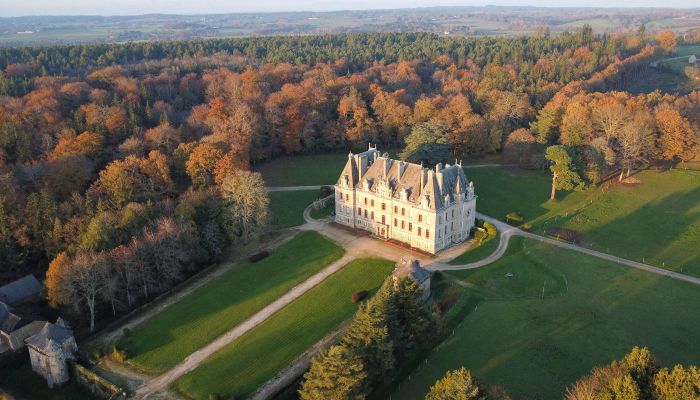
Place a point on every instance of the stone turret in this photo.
(49, 352)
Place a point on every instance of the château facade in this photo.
(427, 209)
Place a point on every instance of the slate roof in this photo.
(20, 290)
(51, 337)
(439, 185)
(407, 267)
(12, 320)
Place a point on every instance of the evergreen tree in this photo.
(564, 175)
(426, 144)
(456, 385)
(414, 318)
(336, 374)
(368, 336)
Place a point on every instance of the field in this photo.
(24, 383)
(315, 169)
(653, 79)
(287, 208)
(169, 337)
(656, 222)
(237, 369)
(591, 312)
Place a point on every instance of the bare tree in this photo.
(635, 141)
(87, 277)
(246, 200)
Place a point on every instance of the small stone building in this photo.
(411, 268)
(49, 352)
(15, 327)
(692, 59)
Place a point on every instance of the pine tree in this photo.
(456, 385)
(368, 335)
(564, 175)
(336, 374)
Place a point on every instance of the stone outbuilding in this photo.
(692, 59)
(49, 352)
(15, 327)
(411, 268)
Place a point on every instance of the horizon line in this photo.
(351, 10)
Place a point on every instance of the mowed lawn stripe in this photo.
(170, 336)
(560, 314)
(241, 367)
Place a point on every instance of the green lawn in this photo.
(323, 212)
(592, 312)
(315, 169)
(656, 222)
(245, 364)
(26, 384)
(287, 208)
(477, 251)
(170, 336)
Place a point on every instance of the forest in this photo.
(126, 168)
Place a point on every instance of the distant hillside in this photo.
(500, 21)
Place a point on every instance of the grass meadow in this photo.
(657, 221)
(313, 169)
(558, 316)
(287, 208)
(173, 334)
(248, 362)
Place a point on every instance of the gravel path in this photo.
(507, 231)
(196, 358)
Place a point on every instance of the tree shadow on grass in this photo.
(663, 231)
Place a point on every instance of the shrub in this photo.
(359, 296)
(119, 355)
(326, 191)
(126, 332)
(258, 256)
(514, 217)
(526, 227)
(490, 229)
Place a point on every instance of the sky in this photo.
(10, 8)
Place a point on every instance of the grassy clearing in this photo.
(592, 312)
(287, 208)
(665, 81)
(656, 222)
(503, 190)
(314, 169)
(170, 336)
(24, 383)
(237, 369)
